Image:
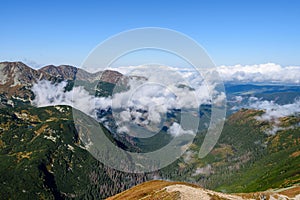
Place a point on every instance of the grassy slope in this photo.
(41, 157)
(245, 158)
(33, 166)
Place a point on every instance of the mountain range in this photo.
(43, 155)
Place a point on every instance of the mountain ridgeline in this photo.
(42, 155)
(17, 79)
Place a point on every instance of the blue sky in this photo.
(232, 32)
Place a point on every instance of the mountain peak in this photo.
(11, 65)
(17, 73)
(63, 71)
(111, 76)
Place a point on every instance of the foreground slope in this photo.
(165, 190)
(170, 190)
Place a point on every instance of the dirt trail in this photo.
(190, 193)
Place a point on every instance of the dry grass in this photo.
(291, 192)
(157, 190)
(150, 190)
(41, 130)
(295, 154)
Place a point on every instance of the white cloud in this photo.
(220, 99)
(275, 111)
(272, 110)
(207, 170)
(238, 99)
(269, 72)
(47, 94)
(145, 102)
(160, 94)
(176, 130)
(274, 129)
(125, 116)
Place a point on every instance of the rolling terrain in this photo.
(43, 155)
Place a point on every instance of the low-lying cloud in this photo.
(176, 130)
(48, 94)
(259, 73)
(274, 111)
(264, 73)
(144, 104)
(167, 88)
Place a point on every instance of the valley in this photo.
(45, 154)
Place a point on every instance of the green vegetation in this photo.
(42, 157)
(245, 158)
